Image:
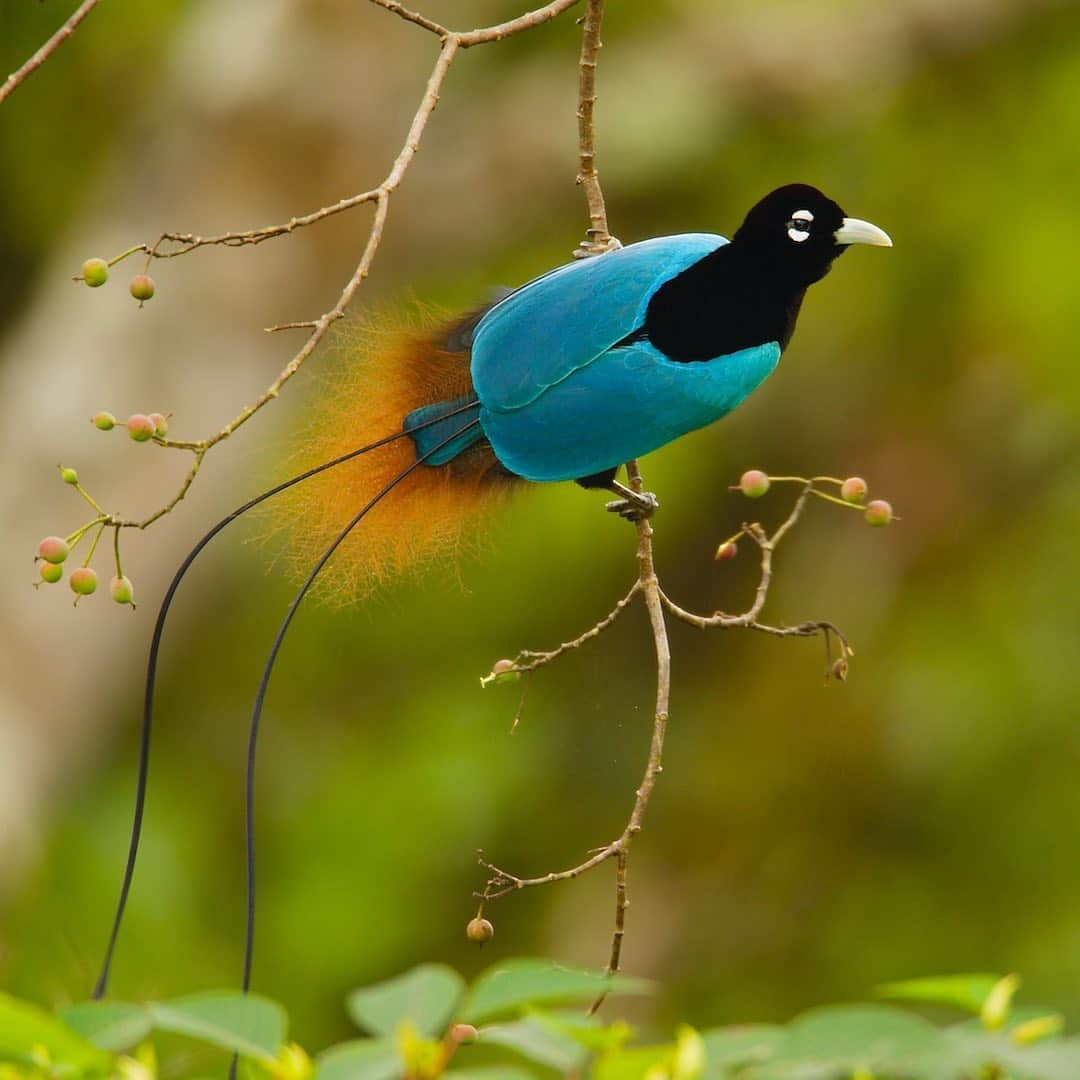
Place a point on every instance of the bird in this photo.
(564, 378)
(609, 358)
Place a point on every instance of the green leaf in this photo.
(538, 1042)
(360, 1059)
(246, 1024)
(509, 987)
(636, 1063)
(968, 992)
(111, 1025)
(26, 1031)
(849, 1037)
(742, 1045)
(424, 997)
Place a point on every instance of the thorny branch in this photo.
(17, 78)
(501, 882)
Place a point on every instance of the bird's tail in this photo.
(383, 378)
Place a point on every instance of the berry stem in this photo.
(73, 539)
(88, 497)
(834, 499)
(94, 544)
(116, 549)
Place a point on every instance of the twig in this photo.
(597, 238)
(17, 78)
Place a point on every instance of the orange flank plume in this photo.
(380, 371)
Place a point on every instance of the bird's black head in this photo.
(796, 232)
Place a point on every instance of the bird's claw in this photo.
(635, 507)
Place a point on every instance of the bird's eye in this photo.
(798, 230)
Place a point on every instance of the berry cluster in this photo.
(853, 491)
(54, 551)
(140, 426)
(95, 272)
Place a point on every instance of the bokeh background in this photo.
(805, 842)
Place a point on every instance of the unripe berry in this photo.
(161, 424)
(853, 489)
(142, 287)
(878, 513)
(95, 272)
(121, 590)
(103, 421)
(463, 1033)
(83, 581)
(726, 551)
(51, 572)
(140, 427)
(53, 549)
(479, 930)
(754, 483)
(69, 476)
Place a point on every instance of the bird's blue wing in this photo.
(561, 322)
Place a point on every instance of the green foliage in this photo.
(413, 1017)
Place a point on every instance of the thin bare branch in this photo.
(413, 17)
(17, 78)
(597, 238)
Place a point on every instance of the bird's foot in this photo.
(634, 506)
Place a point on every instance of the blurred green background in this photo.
(805, 842)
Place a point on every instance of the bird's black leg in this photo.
(631, 505)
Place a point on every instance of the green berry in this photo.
(103, 421)
(69, 476)
(140, 427)
(53, 549)
(754, 483)
(51, 572)
(853, 489)
(121, 590)
(83, 581)
(142, 287)
(95, 272)
(726, 551)
(878, 513)
(161, 424)
(479, 930)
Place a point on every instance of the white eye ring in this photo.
(800, 218)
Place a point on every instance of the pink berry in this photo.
(161, 424)
(50, 572)
(121, 590)
(95, 272)
(103, 421)
(479, 930)
(83, 581)
(878, 513)
(754, 483)
(53, 549)
(140, 427)
(726, 551)
(853, 489)
(142, 287)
